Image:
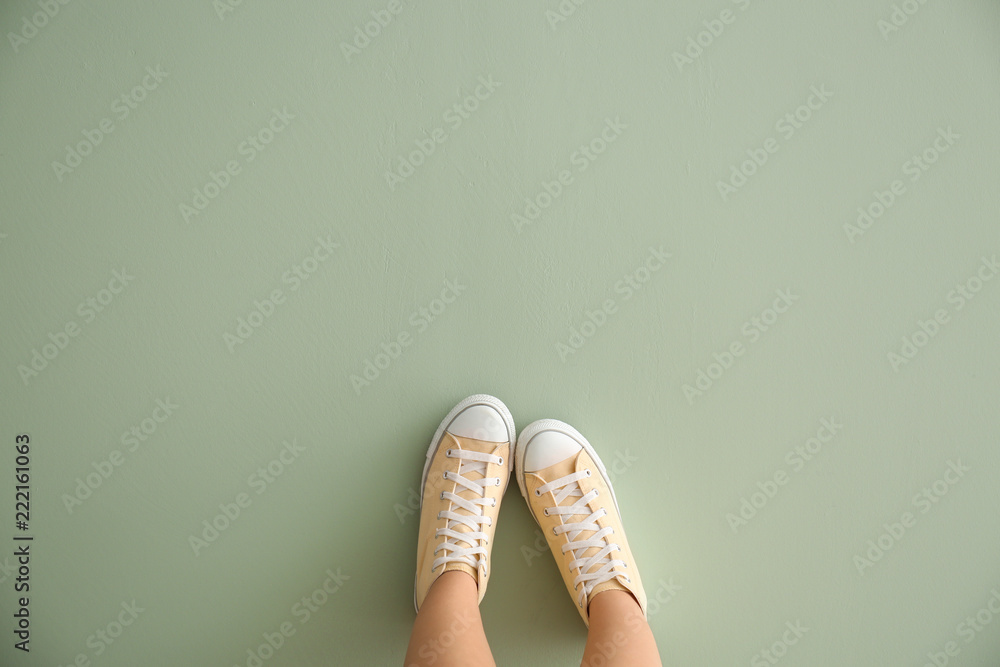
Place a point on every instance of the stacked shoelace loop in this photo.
(465, 518)
(599, 567)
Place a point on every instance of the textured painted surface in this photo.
(204, 227)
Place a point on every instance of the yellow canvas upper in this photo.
(432, 505)
(579, 462)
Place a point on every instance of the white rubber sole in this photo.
(536, 427)
(475, 399)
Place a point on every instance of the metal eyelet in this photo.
(538, 493)
(498, 482)
(554, 531)
(447, 453)
(494, 502)
(545, 511)
(445, 474)
(442, 495)
(500, 462)
(588, 472)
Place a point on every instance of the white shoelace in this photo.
(471, 462)
(569, 487)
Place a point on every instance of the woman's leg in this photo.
(619, 635)
(448, 630)
(466, 472)
(569, 493)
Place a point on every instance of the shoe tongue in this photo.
(565, 467)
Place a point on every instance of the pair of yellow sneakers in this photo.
(562, 479)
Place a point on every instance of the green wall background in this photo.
(889, 84)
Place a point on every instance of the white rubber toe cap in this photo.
(548, 448)
(480, 422)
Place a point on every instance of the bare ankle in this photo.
(619, 602)
(456, 581)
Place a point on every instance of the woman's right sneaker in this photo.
(569, 494)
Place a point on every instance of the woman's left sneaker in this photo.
(466, 473)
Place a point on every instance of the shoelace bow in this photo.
(569, 487)
(473, 518)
